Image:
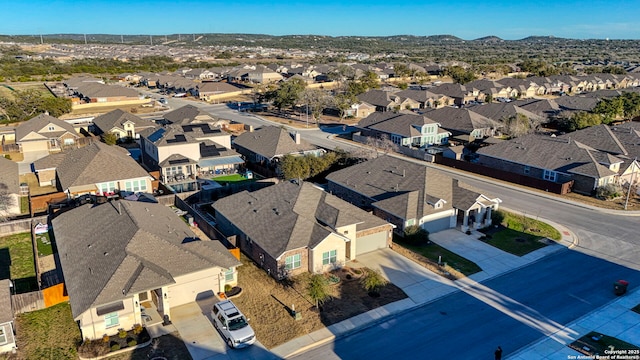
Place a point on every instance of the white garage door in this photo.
(189, 291)
(371, 242)
(437, 225)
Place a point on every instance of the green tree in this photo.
(373, 281)
(415, 235)
(459, 74)
(403, 86)
(109, 138)
(370, 80)
(288, 94)
(294, 167)
(318, 289)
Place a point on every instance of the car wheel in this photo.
(230, 343)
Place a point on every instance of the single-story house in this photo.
(121, 123)
(290, 228)
(45, 133)
(138, 256)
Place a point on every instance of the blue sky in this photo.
(463, 18)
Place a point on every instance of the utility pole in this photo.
(633, 172)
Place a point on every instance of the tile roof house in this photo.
(138, 255)
(289, 229)
(404, 129)
(405, 194)
(555, 159)
(269, 144)
(97, 169)
(45, 133)
(121, 123)
(9, 188)
(182, 153)
(7, 339)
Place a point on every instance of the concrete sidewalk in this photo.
(423, 286)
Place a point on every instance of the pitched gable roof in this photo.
(287, 216)
(400, 124)
(401, 187)
(461, 120)
(377, 98)
(117, 118)
(271, 141)
(95, 163)
(188, 114)
(146, 247)
(502, 111)
(9, 177)
(39, 125)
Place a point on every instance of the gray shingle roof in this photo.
(287, 216)
(92, 164)
(502, 111)
(545, 152)
(38, 124)
(576, 103)
(271, 141)
(9, 177)
(461, 120)
(188, 114)
(132, 247)
(95, 90)
(117, 118)
(6, 315)
(394, 123)
(401, 187)
(377, 98)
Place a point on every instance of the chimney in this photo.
(296, 137)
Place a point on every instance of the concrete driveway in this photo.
(24, 166)
(203, 341)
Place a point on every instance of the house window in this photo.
(292, 262)
(135, 185)
(51, 128)
(228, 275)
(111, 320)
(3, 336)
(411, 222)
(527, 169)
(550, 175)
(330, 257)
(107, 187)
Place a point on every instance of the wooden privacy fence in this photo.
(27, 302)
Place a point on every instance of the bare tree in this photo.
(316, 101)
(381, 144)
(6, 203)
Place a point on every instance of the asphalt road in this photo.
(512, 311)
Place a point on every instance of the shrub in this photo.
(7, 156)
(122, 333)
(497, 217)
(415, 235)
(132, 342)
(90, 348)
(137, 329)
(227, 288)
(318, 289)
(105, 338)
(373, 281)
(609, 191)
(115, 347)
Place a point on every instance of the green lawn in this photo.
(517, 234)
(48, 334)
(16, 261)
(597, 343)
(433, 251)
(230, 179)
(24, 204)
(44, 244)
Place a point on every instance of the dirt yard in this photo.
(268, 303)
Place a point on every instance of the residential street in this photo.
(512, 311)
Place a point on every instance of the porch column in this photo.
(166, 308)
(465, 221)
(487, 220)
(136, 309)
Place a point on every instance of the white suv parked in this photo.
(232, 324)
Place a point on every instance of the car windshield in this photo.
(237, 323)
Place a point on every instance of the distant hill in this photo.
(536, 38)
(490, 38)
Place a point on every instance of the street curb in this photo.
(568, 244)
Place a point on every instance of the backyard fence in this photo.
(27, 302)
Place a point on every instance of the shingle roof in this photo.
(377, 98)
(461, 120)
(271, 141)
(132, 247)
(545, 152)
(401, 187)
(599, 137)
(287, 216)
(92, 164)
(400, 124)
(117, 118)
(95, 90)
(188, 114)
(502, 111)
(576, 103)
(38, 123)
(6, 315)
(9, 177)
